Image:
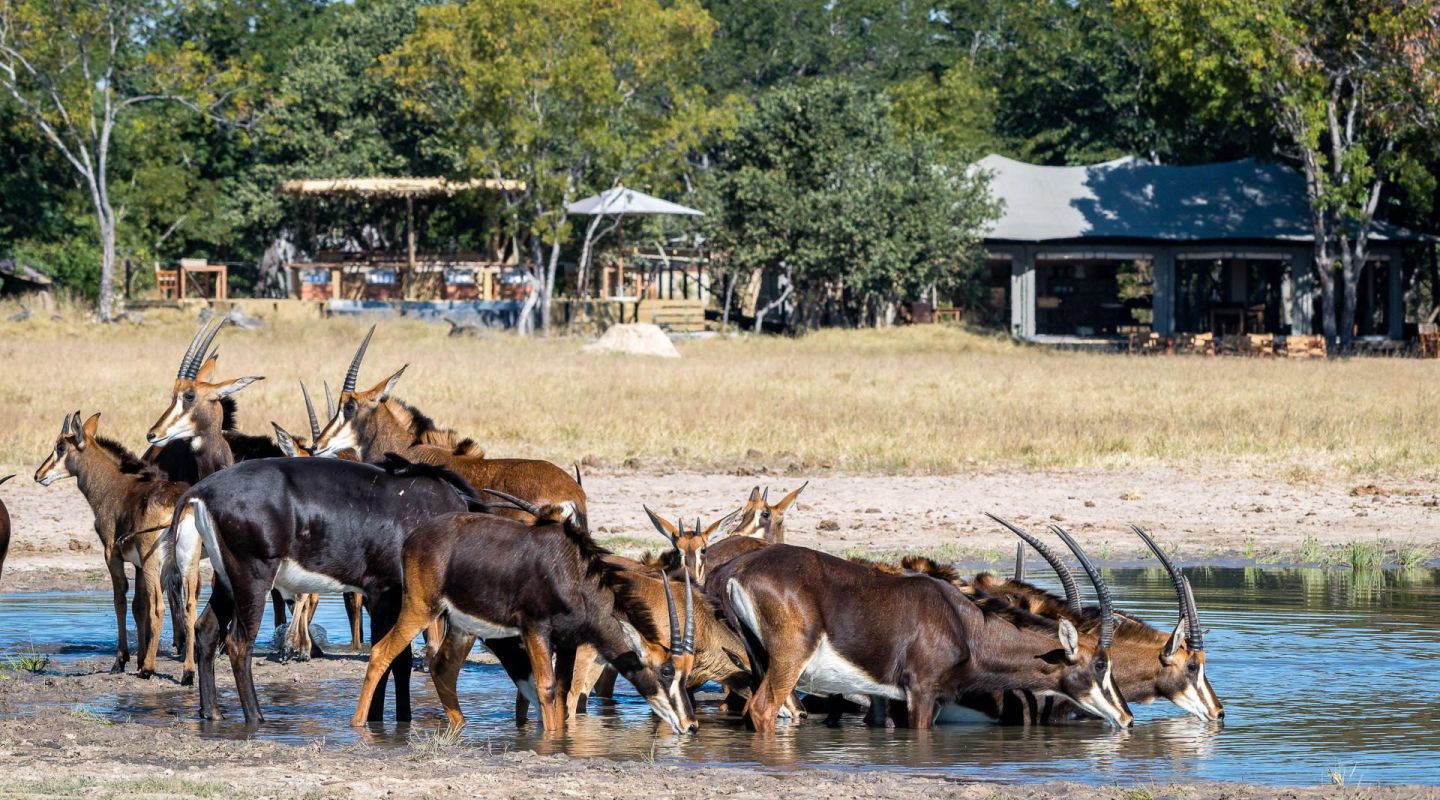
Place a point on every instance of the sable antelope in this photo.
(303, 525)
(201, 413)
(689, 549)
(373, 422)
(4, 529)
(545, 584)
(719, 653)
(830, 627)
(132, 504)
(200, 421)
(758, 516)
(1149, 663)
(297, 638)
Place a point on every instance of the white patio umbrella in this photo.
(618, 202)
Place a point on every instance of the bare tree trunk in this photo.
(106, 306)
(1325, 273)
(730, 277)
(548, 291)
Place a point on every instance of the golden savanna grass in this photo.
(930, 399)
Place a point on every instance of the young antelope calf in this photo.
(132, 504)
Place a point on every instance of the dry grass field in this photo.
(917, 400)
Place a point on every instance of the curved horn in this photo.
(528, 507)
(1067, 578)
(1019, 562)
(193, 368)
(6, 478)
(190, 351)
(310, 412)
(354, 372)
(687, 644)
(675, 647)
(1107, 610)
(1187, 610)
(329, 402)
(1194, 640)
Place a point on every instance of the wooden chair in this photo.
(167, 283)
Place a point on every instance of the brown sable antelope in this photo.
(1149, 663)
(201, 414)
(758, 516)
(4, 528)
(132, 503)
(719, 653)
(373, 422)
(824, 625)
(689, 549)
(545, 584)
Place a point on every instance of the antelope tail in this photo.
(195, 532)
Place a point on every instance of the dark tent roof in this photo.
(1133, 199)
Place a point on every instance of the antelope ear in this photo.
(1070, 640)
(715, 526)
(755, 495)
(207, 370)
(77, 429)
(663, 525)
(384, 388)
(285, 440)
(1172, 645)
(779, 508)
(231, 387)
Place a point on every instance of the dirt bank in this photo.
(1207, 515)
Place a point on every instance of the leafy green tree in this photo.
(1351, 86)
(820, 188)
(78, 70)
(568, 96)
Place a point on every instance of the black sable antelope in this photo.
(4, 528)
(833, 627)
(545, 584)
(303, 525)
(373, 422)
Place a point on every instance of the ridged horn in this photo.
(524, 505)
(193, 368)
(310, 412)
(1067, 578)
(1019, 562)
(1187, 610)
(190, 351)
(353, 373)
(1107, 609)
(329, 402)
(687, 644)
(675, 647)
(1194, 639)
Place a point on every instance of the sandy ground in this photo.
(1205, 515)
(72, 754)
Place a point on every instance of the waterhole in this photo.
(1319, 671)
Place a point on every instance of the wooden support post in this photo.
(409, 244)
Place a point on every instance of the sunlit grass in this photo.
(915, 400)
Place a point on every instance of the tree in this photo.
(567, 96)
(1351, 86)
(78, 69)
(820, 187)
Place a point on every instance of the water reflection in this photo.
(1318, 669)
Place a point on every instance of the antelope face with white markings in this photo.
(196, 411)
(757, 516)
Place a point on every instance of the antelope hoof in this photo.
(358, 720)
(118, 667)
(145, 674)
(187, 678)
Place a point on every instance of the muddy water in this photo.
(1319, 670)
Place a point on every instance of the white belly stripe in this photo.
(293, 578)
(477, 627)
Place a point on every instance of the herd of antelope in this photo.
(428, 535)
